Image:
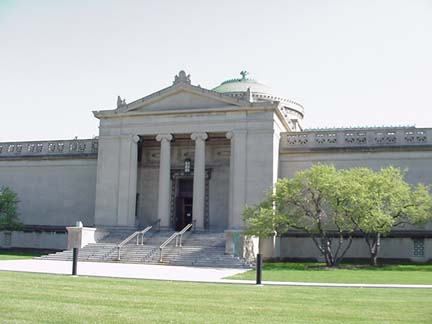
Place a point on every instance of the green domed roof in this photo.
(241, 85)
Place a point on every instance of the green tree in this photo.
(329, 205)
(311, 202)
(383, 201)
(8, 210)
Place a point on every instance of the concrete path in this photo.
(121, 270)
(161, 272)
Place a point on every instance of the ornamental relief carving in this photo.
(358, 137)
(325, 138)
(385, 137)
(415, 136)
(355, 138)
(74, 146)
(297, 139)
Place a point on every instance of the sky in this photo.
(349, 63)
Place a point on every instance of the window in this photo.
(418, 247)
(7, 239)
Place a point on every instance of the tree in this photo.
(311, 202)
(384, 201)
(8, 210)
(327, 203)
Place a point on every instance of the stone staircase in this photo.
(201, 249)
(94, 251)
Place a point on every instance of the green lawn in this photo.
(38, 298)
(315, 272)
(14, 255)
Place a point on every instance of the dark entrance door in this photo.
(184, 203)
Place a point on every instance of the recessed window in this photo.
(418, 248)
(7, 239)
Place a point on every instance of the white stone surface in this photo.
(52, 191)
(35, 240)
(78, 237)
(237, 177)
(122, 270)
(199, 179)
(164, 179)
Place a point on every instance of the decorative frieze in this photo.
(324, 138)
(385, 137)
(355, 138)
(415, 136)
(345, 138)
(294, 139)
(48, 148)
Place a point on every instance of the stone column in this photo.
(199, 180)
(128, 170)
(164, 179)
(237, 180)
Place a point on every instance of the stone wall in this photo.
(50, 240)
(407, 148)
(55, 180)
(303, 248)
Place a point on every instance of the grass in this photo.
(316, 272)
(15, 255)
(39, 298)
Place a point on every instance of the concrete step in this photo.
(198, 249)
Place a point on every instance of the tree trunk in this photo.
(340, 258)
(374, 247)
(328, 255)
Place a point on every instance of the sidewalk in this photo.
(161, 272)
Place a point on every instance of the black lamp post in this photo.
(258, 269)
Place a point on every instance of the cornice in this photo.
(251, 107)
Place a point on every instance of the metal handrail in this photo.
(175, 235)
(145, 230)
(137, 234)
(168, 241)
(180, 235)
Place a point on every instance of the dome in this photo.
(241, 85)
(260, 93)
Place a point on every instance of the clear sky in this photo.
(350, 63)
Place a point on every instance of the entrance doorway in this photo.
(184, 203)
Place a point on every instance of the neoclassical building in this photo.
(186, 154)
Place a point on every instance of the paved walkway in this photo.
(161, 272)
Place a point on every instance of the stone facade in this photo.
(187, 154)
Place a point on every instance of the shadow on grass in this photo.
(20, 254)
(317, 266)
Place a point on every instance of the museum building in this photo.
(188, 155)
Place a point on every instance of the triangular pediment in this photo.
(182, 100)
(183, 97)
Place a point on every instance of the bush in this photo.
(8, 210)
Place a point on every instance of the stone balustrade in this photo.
(49, 148)
(357, 138)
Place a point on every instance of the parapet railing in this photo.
(178, 240)
(357, 137)
(138, 235)
(49, 148)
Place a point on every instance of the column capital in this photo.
(234, 132)
(135, 138)
(161, 137)
(202, 136)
